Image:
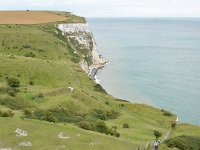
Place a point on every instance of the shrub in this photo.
(105, 115)
(6, 113)
(30, 54)
(13, 82)
(101, 127)
(12, 93)
(111, 114)
(157, 134)
(107, 103)
(184, 142)
(100, 114)
(85, 125)
(50, 117)
(28, 113)
(111, 131)
(173, 125)
(40, 114)
(117, 134)
(121, 105)
(125, 125)
(30, 82)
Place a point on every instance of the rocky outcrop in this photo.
(82, 41)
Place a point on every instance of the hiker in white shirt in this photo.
(156, 144)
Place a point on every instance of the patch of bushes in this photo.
(6, 113)
(15, 104)
(111, 114)
(13, 82)
(184, 142)
(41, 115)
(56, 114)
(105, 115)
(125, 125)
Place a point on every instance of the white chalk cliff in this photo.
(82, 41)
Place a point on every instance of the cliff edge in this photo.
(82, 41)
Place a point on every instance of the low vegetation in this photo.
(184, 142)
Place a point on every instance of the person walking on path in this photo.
(156, 144)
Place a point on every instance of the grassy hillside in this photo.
(51, 87)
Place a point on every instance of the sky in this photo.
(111, 8)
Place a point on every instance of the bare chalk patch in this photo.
(61, 136)
(20, 132)
(5, 149)
(94, 143)
(25, 144)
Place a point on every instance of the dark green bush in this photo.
(107, 103)
(125, 125)
(117, 134)
(30, 82)
(100, 114)
(157, 134)
(105, 114)
(50, 117)
(101, 127)
(184, 142)
(39, 114)
(111, 131)
(173, 125)
(85, 125)
(13, 82)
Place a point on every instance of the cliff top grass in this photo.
(37, 17)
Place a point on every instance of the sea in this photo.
(155, 61)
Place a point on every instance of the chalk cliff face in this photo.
(82, 41)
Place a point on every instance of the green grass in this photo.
(51, 72)
(44, 135)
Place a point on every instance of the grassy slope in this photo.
(52, 71)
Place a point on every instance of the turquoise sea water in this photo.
(152, 60)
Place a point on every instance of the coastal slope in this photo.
(49, 100)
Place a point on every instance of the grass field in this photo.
(42, 60)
